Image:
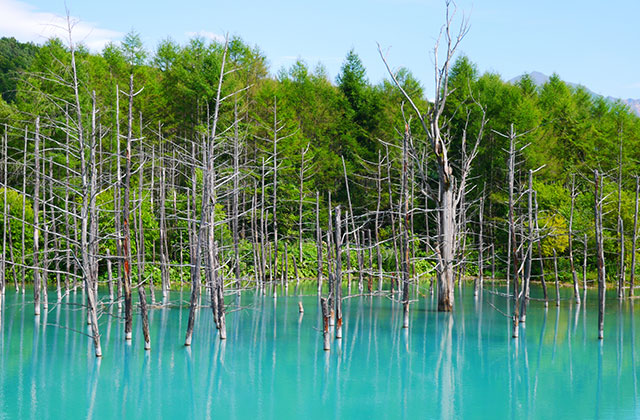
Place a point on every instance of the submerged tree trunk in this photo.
(599, 252)
(576, 293)
(634, 240)
(126, 227)
(555, 270)
(319, 242)
(405, 228)
(36, 222)
(208, 208)
(338, 273)
(478, 284)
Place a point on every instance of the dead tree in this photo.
(540, 256)
(126, 224)
(359, 245)
(319, 242)
(512, 232)
(555, 270)
(86, 151)
(24, 208)
(576, 293)
(584, 265)
(621, 272)
(303, 152)
(276, 129)
(405, 227)
(164, 244)
(207, 214)
(377, 220)
(621, 265)
(338, 273)
(393, 223)
(36, 221)
(142, 251)
(478, 284)
(634, 241)
(5, 218)
(599, 251)
(451, 188)
(326, 337)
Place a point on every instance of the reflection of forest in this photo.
(458, 365)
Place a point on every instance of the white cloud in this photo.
(206, 35)
(26, 23)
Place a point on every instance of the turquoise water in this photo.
(272, 366)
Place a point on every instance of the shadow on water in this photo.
(445, 365)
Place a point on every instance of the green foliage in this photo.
(15, 218)
(555, 232)
(567, 130)
(15, 58)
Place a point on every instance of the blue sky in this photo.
(594, 43)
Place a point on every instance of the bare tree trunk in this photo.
(164, 245)
(303, 152)
(393, 224)
(528, 252)
(219, 288)
(576, 293)
(126, 228)
(110, 275)
(89, 214)
(5, 214)
(634, 241)
(621, 274)
(359, 245)
(256, 243)
(319, 242)
(263, 233)
(479, 278)
(446, 245)
(45, 226)
(286, 268)
(537, 227)
(234, 196)
(117, 196)
(331, 279)
(275, 191)
(197, 257)
(377, 220)
(584, 264)
(24, 207)
(338, 273)
(11, 253)
(512, 232)
(325, 324)
(405, 228)
(555, 270)
(36, 221)
(599, 253)
(493, 261)
(370, 247)
(620, 232)
(348, 259)
(207, 214)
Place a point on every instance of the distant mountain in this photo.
(634, 104)
(540, 79)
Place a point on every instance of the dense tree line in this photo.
(284, 140)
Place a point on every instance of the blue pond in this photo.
(272, 366)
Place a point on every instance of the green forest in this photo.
(288, 146)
